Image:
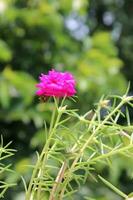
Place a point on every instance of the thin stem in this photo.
(58, 180)
(63, 167)
(112, 152)
(85, 145)
(43, 157)
(113, 188)
(89, 127)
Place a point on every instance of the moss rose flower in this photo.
(58, 84)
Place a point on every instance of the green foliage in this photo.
(5, 153)
(5, 54)
(34, 38)
(45, 41)
(72, 154)
(22, 82)
(116, 16)
(99, 66)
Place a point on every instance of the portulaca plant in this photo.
(77, 143)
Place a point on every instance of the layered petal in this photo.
(58, 84)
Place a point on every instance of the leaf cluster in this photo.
(5, 153)
(72, 153)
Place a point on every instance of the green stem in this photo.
(85, 145)
(113, 188)
(43, 157)
(58, 180)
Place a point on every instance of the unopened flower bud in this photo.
(104, 103)
(61, 109)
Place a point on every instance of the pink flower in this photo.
(56, 84)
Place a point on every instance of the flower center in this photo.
(54, 81)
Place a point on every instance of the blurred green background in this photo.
(92, 39)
